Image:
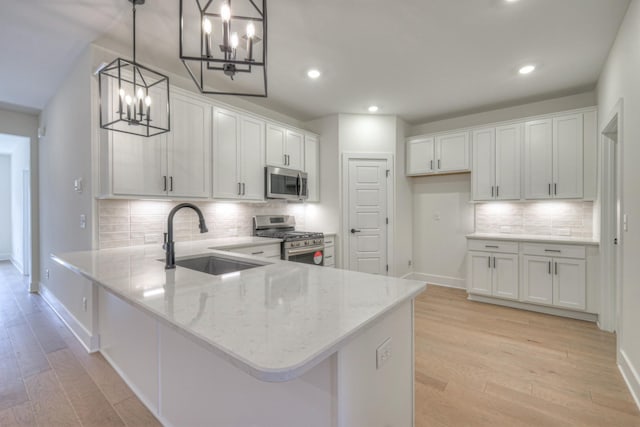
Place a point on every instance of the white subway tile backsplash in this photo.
(124, 223)
(562, 218)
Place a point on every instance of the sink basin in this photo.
(217, 264)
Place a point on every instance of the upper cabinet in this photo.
(496, 163)
(312, 166)
(238, 153)
(447, 153)
(285, 147)
(174, 164)
(554, 158)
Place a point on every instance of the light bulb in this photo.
(313, 73)
(251, 30)
(206, 26)
(527, 69)
(373, 108)
(121, 92)
(140, 93)
(128, 99)
(234, 40)
(147, 101)
(225, 12)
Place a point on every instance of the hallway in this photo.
(46, 377)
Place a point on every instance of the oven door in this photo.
(313, 255)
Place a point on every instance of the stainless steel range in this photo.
(297, 246)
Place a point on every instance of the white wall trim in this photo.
(630, 375)
(580, 315)
(5, 256)
(18, 266)
(433, 279)
(391, 197)
(90, 342)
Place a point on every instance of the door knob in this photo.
(353, 231)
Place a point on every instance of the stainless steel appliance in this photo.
(297, 246)
(289, 184)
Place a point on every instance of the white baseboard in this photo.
(18, 266)
(449, 282)
(89, 341)
(5, 256)
(580, 315)
(630, 375)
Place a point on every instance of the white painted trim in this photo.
(580, 315)
(391, 197)
(407, 276)
(90, 342)
(630, 375)
(445, 281)
(5, 256)
(18, 266)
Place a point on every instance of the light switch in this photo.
(83, 221)
(77, 185)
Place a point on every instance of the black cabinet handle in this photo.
(353, 231)
(170, 183)
(164, 183)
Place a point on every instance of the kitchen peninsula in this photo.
(280, 344)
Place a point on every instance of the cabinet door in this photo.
(508, 179)
(189, 153)
(568, 157)
(483, 170)
(538, 159)
(569, 283)
(138, 165)
(420, 156)
(480, 269)
(452, 152)
(312, 166)
(226, 179)
(537, 283)
(295, 150)
(276, 137)
(505, 276)
(252, 158)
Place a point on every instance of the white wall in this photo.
(403, 246)
(620, 79)
(65, 154)
(24, 124)
(5, 210)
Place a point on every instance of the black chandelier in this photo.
(134, 99)
(224, 47)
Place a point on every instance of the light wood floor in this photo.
(484, 365)
(46, 377)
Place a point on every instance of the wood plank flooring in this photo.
(484, 365)
(46, 377)
(476, 365)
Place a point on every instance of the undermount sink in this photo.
(217, 264)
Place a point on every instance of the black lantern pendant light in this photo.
(224, 45)
(133, 98)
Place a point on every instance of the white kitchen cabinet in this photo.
(330, 250)
(174, 164)
(554, 158)
(312, 166)
(494, 274)
(452, 152)
(285, 147)
(480, 273)
(496, 163)
(420, 156)
(440, 154)
(238, 150)
(537, 279)
(569, 283)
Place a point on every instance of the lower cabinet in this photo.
(493, 274)
(329, 250)
(555, 281)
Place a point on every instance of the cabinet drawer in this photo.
(329, 241)
(493, 246)
(329, 255)
(564, 251)
(266, 251)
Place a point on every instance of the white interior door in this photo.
(367, 201)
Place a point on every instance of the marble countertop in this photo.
(240, 242)
(274, 322)
(534, 238)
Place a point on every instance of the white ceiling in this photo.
(419, 59)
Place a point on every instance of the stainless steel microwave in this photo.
(289, 184)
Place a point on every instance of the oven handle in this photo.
(304, 250)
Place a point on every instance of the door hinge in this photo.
(387, 221)
(387, 267)
(615, 241)
(388, 172)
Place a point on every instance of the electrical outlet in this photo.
(383, 353)
(84, 303)
(46, 274)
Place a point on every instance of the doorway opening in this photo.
(15, 198)
(612, 244)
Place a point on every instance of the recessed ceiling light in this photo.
(527, 69)
(313, 73)
(373, 108)
(511, 1)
